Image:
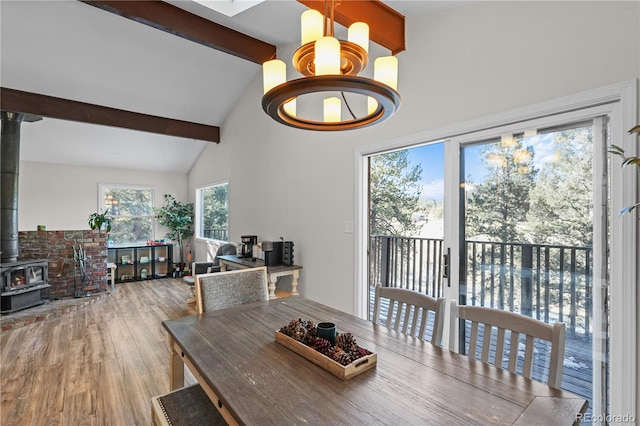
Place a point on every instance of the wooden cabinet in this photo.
(135, 263)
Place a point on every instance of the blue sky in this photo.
(432, 159)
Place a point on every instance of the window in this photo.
(212, 212)
(131, 211)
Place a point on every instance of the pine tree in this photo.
(497, 206)
(394, 192)
(562, 202)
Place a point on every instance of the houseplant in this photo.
(100, 221)
(626, 161)
(177, 217)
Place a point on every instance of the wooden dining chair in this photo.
(517, 325)
(409, 312)
(190, 405)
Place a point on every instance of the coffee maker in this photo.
(246, 250)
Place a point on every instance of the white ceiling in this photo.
(75, 51)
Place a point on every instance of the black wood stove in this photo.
(21, 284)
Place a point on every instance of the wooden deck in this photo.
(578, 366)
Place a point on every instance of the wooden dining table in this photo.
(254, 380)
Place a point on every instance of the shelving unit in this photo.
(136, 263)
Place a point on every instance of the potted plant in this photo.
(176, 216)
(100, 221)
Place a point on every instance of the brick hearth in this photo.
(57, 246)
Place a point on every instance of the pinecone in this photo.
(291, 328)
(300, 334)
(323, 346)
(342, 357)
(347, 342)
(363, 352)
(311, 328)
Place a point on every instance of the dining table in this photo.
(254, 380)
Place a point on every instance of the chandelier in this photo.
(330, 65)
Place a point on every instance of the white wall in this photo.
(461, 63)
(62, 197)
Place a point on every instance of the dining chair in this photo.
(200, 267)
(517, 325)
(221, 290)
(190, 405)
(415, 306)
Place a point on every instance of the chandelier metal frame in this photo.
(353, 59)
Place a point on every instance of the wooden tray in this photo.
(345, 372)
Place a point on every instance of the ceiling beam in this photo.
(65, 109)
(179, 22)
(386, 25)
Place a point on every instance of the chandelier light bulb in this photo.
(385, 70)
(327, 56)
(311, 26)
(290, 107)
(332, 110)
(359, 34)
(274, 73)
(372, 105)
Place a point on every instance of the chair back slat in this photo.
(517, 324)
(392, 308)
(473, 344)
(500, 347)
(513, 351)
(528, 357)
(486, 342)
(412, 314)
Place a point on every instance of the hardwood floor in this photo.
(98, 365)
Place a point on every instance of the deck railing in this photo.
(216, 234)
(547, 282)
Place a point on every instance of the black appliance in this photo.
(247, 245)
(287, 253)
(272, 253)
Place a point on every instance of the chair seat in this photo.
(189, 406)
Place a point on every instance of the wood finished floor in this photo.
(98, 365)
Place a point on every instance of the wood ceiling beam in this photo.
(173, 20)
(65, 109)
(386, 25)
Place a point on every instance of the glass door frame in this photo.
(456, 218)
(619, 102)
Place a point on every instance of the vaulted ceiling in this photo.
(175, 68)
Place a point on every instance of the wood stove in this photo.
(21, 284)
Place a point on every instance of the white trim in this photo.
(599, 286)
(452, 231)
(198, 207)
(623, 278)
(608, 94)
(361, 229)
(624, 270)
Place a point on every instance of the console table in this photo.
(273, 272)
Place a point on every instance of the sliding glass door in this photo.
(513, 218)
(526, 238)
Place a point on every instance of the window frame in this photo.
(199, 219)
(104, 186)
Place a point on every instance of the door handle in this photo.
(447, 259)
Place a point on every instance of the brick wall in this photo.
(57, 247)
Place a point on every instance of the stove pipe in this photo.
(9, 165)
